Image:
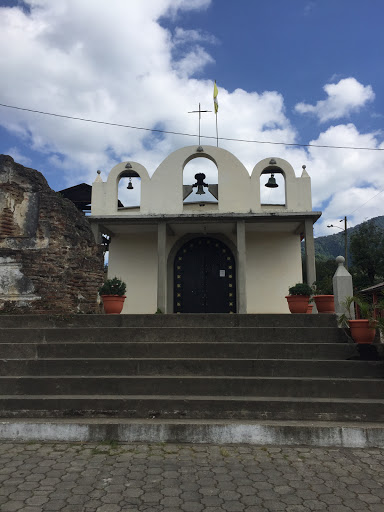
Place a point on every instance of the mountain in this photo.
(331, 246)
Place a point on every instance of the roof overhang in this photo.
(292, 222)
(372, 289)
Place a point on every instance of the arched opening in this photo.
(272, 186)
(128, 190)
(204, 277)
(200, 189)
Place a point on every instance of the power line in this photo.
(188, 134)
(358, 208)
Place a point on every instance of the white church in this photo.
(206, 247)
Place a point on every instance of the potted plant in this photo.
(298, 297)
(112, 292)
(363, 330)
(324, 298)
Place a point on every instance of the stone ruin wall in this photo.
(49, 261)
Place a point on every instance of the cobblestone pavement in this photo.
(191, 478)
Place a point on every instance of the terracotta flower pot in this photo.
(297, 303)
(325, 303)
(362, 331)
(113, 304)
(309, 309)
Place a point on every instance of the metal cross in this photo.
(199, 112)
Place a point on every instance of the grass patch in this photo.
(224, 452)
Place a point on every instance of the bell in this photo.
(199, 177)
(271, 182)
(200, 190)
(130, 186)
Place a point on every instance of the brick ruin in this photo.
(49, 261)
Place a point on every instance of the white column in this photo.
(309, 252)
(342, 288)
(241, 267)
(162, 266)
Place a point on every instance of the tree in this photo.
(367, 249)
(325, 270)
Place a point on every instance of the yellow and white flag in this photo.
(215, 102)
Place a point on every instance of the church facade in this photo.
(231, 255)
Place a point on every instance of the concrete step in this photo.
(182, 320)
(174, 334)
(222, 349)
(338, 434)
(194, 386)
(197, 367)
(236, 409)
(189, 366)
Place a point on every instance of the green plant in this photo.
(380, 325)
(379, 307)
(158, 312)
(114, 286)
(300, 289)
(366, 310)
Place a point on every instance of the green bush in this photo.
(300, 289)
(114, 286)
(323, 287)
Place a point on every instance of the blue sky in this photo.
(299, 71)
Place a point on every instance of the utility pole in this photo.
(345, 239)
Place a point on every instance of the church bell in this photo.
(130, 186)
(200, 190)
(271, 183)
(199, 177)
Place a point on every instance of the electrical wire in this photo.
(202, 136)
(358, 208)
(188, 134)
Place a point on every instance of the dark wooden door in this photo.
(204, 277)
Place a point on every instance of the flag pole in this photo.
(217, 133)
(216, 105)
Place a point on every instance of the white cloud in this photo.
(344, 98)
(182, 36)
(335, 169)
(82, 58)
(18, 156)
(344, 179)
(174, 6)
(359, 204)
(193, 62)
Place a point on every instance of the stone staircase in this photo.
(189, 368)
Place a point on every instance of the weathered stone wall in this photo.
(49, 261)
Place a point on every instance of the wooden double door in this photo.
(204, 277)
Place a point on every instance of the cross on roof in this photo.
(199, 112)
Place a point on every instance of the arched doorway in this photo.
(204, 277)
